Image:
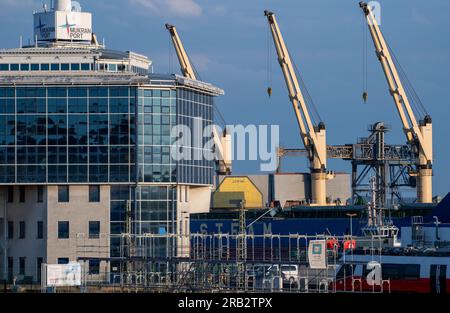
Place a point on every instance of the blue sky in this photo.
(227, 41)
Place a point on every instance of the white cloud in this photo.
(173, 7)
(201, 61)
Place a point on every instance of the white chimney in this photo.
(63, 5)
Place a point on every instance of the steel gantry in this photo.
(371, 157)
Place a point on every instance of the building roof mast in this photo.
(418, 135)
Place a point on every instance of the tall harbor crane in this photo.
(186, 67)
(222, 144)
(313, 136)
(419, 134)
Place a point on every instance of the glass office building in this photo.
(73, 113)
(118, 135)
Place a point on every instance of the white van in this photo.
(288, 272)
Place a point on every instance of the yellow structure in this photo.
(234, 189)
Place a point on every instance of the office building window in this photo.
(40, 194)
(63, 194)
(22, 230)
(10, 194)
(74, 67)
(63, 260)
(63, 230)
(94, 229)
(40, 230)
(10, 268)
(94, 267)
(22, 194)
(39, 262)
(94, 193)
(10, 229)
(22, 266)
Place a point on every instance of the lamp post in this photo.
(351, 215)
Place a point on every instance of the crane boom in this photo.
(222, 143)
(313, 137)
(417, 134)
(186, 67)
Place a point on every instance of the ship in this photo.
(310, 220)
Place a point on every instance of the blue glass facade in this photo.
(115, 135)
(94, 135)
(194, 108)
(67, 134)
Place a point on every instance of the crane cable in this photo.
(269, 62)
(315, 116)
(197, 74)
(365, 94)
(409, 88)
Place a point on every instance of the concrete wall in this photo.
(291, 187)
(339, 187)
(78, 212)
(190, 199)
(29, 212)
(199, 199)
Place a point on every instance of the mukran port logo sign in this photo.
(75, 26)
(60, 25)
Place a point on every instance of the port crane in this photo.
(222, 143)
(313, 136)
(419, 134)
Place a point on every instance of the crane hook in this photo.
(269, 91)
(365, 96)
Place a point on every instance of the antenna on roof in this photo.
(21, 41)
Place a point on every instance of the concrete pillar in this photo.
(318, 188)
(424, 186)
